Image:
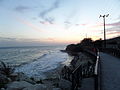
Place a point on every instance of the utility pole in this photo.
(104, 28)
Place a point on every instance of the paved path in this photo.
(87, 84)
(110, 72)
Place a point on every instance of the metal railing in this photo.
(82, 71)
(97, 73)
(112, 51)
(85, 71)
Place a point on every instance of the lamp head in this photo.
(100, 16)
(107, 15)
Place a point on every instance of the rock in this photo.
(65, 84)
(36, 87)
(13, 76)
(5, 69)
(22, 77)
(74, 48)
(4, 80)
(18, 85)
(56, 89)
(38, 80)
(29, 88)
(2, 89)
(71, 47)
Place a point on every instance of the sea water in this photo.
(34, 61)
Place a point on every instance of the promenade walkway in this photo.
(87, 84)
(110, 72)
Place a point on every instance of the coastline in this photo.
(17, 80)
(52, 79)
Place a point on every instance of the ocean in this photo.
(34, 61)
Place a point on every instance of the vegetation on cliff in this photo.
(89, 43)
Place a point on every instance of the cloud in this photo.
(114, 24)
(11, 42)
(54, 6)
(22, 8)
(71, 17)
(110, 24)
(50, 39)
(42, 22)
(67, 22)
(43, 14)
(111, 33)
(18, 39)
(76, 24)
(45, 23)
(84, 24)
(34, 27)
(88, 25)
(115, 30)
(7, 39)
(50, 20)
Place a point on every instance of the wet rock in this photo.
(2, 89)
(36, 87)
(22, 77)
(37, 80)
(6, 69)
(56, 89)
(13, 76)
(65, 84)
(4, 80)
(18, 85)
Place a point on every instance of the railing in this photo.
(76, 78)
(98, 73)
(113, 51)
(84, 71)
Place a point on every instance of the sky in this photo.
(56, 22)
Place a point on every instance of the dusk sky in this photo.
(56, 22)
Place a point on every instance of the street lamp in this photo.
(104, 28)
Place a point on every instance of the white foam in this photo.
(37, 68)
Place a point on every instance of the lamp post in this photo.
(104, 28)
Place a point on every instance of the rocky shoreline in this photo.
(10, 80)
(55, 78)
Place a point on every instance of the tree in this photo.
(86, 41)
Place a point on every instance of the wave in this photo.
(42, 64)
(42, 56)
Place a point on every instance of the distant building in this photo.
(113, 43)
